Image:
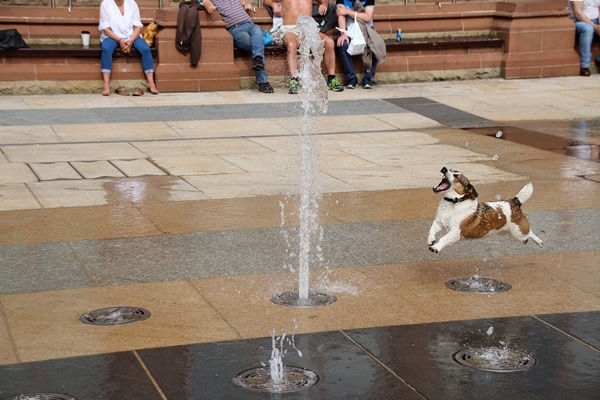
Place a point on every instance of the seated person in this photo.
(247, 36)
(585, 15)
(346, 15)
(290, 10)
(121, 26)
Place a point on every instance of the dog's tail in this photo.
(525, 193)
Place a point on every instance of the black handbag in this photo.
(11, 39)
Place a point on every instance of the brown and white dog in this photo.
(461, 215)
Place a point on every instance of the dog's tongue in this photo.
(443, 186)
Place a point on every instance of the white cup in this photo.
(85, 38)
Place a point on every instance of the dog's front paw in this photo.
(433, 249)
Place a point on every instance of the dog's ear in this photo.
(471, 192)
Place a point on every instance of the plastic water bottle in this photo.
(398, 35)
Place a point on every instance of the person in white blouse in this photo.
(121, 26)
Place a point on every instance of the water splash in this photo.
(313, 96)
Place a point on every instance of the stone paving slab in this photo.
(54, 171)
(96, 169)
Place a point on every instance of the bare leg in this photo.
(291, 43)
(329, 54)
(150, 81)
(105, 83)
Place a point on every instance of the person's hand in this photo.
(342, 38)
(125, 45)
(322, 9)
(209, 6)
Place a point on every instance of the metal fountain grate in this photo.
(42, 396)
(495, 359)
(259, 379)
(115, 316)
(292, 299)
(478, 285)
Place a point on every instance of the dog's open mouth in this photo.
(442, 186)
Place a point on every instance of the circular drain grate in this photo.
(259, 379)
(495, 359)
(42, 396)
(115, 316)
(478, 285)
(292, 299)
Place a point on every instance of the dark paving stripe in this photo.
(172, 257)
(186, 113)
(412, 362)
(441, 113)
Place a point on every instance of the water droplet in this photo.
(499, 134)
(490, 330)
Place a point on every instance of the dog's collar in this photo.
(456, 199)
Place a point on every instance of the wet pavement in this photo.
(186, 205)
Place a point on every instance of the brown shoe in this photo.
(584, 71)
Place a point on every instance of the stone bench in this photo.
(462, 39)
(62, 51)
(416, 47)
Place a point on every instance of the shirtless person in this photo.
(291, 10)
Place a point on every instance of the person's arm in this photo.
(580, 15)
(276, 6)
(323, 5)
(246, 5)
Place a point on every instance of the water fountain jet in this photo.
(313, 96)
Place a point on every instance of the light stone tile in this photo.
(71, 152)
(395, 156)
(97, 169)
(228, 128)
(17, 197)
(115, 132)
(423, 175)
(289, 144)
(259, 183)
(54, 171)
(378, 177)
(333, 124)
(500, 107)
(407, 120)
(13, 103)
(255, 162)
(83, 192)
(16, 173)
(183, 148)
(196, 165)
(145, 189)
(340, 160)
(402, 138)
(140, 167)
(28, 134)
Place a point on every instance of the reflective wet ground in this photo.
(174, 204)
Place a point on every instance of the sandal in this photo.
(137, 92)
(122, 91)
